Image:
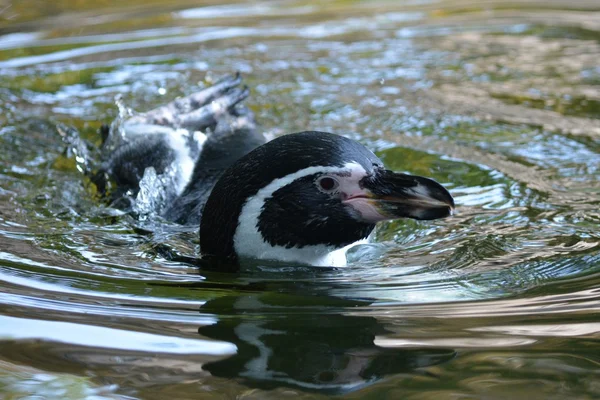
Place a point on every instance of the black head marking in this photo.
(299, 215)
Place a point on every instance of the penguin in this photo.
(301, 198)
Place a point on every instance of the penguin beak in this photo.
(390, 195)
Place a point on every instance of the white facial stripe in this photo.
(248, 242)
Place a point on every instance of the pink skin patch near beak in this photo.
(353, 195)
(365, 207)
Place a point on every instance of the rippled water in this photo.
(498, 101)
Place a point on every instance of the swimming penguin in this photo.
(302, 198)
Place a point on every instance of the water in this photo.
(498, 101)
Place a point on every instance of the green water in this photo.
(500, 101)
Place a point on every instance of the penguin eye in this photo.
(327, 183)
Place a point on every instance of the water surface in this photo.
(498, 101)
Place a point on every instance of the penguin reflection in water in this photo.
(302, 198)
(333, 352)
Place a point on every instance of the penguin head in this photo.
(302, 196)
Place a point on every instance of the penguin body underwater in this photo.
(301, 198)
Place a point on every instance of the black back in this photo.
(276, 159)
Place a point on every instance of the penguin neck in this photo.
(314, 256)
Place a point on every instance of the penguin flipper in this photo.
(176, 113)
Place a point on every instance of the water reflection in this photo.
(310, 346)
